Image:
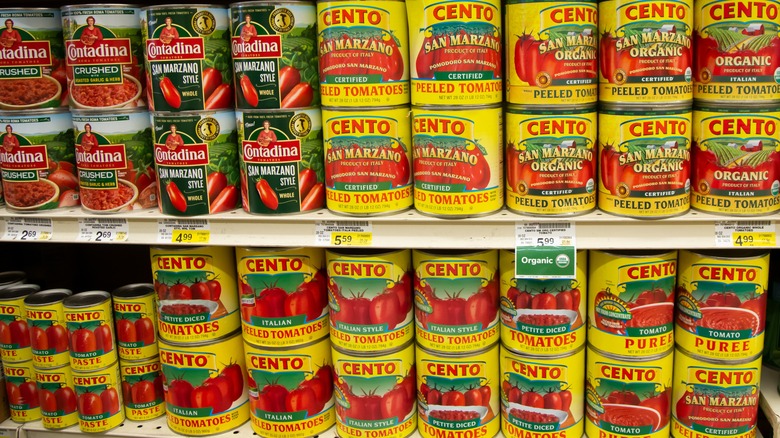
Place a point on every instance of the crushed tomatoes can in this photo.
(22, 392)
(57, 397)
(135, 314)
(14, 328)
(142, 389)
(99, 396)
(90, 322)
(721, 304)
(45, 317)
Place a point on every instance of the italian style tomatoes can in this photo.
(45, 317)
(135, 314)
(57, 397)
(721, 304)
(368, 160)
(142, 389)
(14, 328)
(99, 397)
(90, 322)
(22, 392)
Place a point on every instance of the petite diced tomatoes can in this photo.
(135, 314)
(49, 338)
(142, 389)
(22, 392)
(99, 395)
(14, 329)
(57, 397)
(90, 322)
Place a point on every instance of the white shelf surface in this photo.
(770, 398)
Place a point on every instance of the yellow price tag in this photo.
(191, 236)
(350, 239)
(749, 239)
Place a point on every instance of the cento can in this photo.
(456, 48)
(734, 158)
(195, 287)
(721, 304)
(196, 155)
(22, 391)
(370, 297)
(142, 389)
(284, 296)
(205, 385)
(550, 160)
(458, 161)
(456, 300)
(135, 314)
(542, 317)
(57, 397)
(274, 49)
(45, 317)
(364, 49)
(90, 322)
(281, 163)
(99, 399)
(368, 160)
(303, 373)
(187, 50)
(14, 329)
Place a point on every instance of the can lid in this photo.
(8, 278)
(736, 107)
(18, 291)
(743, 254)
(357, 252)
(47, 296)
(133, 290)
(86, 299)
(639, 253)
(551, 109)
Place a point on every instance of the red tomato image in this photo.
(301, 302)
(532, 399)
(110, 400)
(180, 291)
(322, 394)
(29, 394)
(125, 331)
(273, 398)
(481, 309)
(90, 404)
(552, 400)
(200, 291)
(105, 339)
(84, 341)
(58, 337)
(453, 398)
(270, 303)
(223, 385)
(66, 399)
(180, 393)
(515, 395)
(434, 397)
(144, 328)
(20, 333)
(385, 309)
(661, 403)
(235, 377)
(14, 396)
(143, 392)
(216, 289)
(302, 399)
(367, 407)
(206, 397)
(315, 291)
(623, 398)
(5, 333)
(473, 397)
(47, 401)
(544, 300)
(395, 404)
(38, 338)
(127, 393)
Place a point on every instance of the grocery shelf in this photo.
(9, 429)
(770, 398)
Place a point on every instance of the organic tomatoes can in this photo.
(14, 328)
(542, 317)
(364, 53)
(45, 317)
(22, 392)
(196, 291)
(205, 387)
(89, 319)
(284, 298)
(456, 300)
(135, 315)
(291, 389)
(142, 389)
(721, 304)
(57, 397)
(550, 160)
(368, 160)
(99, 395)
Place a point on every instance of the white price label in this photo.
(747, 234)
(183, 231)
(544, 234)
(103, 230)
(343, 233)
(24, 228)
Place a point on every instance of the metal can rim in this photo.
(15, 277)
(190, 113)
(15, 291)
(268, 2)
(451, 252)
(114, 364)
(99, 5)
(133, 290)
(368, 354)
(273, 349)
(182, 5)
(27, 9)
(571, 353)
(123, 362)
(231, 335)
(452, 107)
(51, 296)
(104, 113)
(35, 112)
(745, 254)
(636, 253)
(632, 359)
(458, 355)
(55, 369)
(367, 108)
(77, 301)
(514, 108)
(365, 252)
(269, 110)
(717, 361)
(619, 108)
(737, 105)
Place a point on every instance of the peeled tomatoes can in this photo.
(45, 317)
(135, 314)
(721, 304)
(142, 389)
(90, 322)
(22, 392)
(57, 397)
(99, 396)
(14, 328)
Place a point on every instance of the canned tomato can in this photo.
(99, 399)
(11, 278)
(196, 155)
(542, 394)
(135, 314)
(187, 49)
(38, 161)
(90, 322)
(14, 329)
(22, 391)
(368, 160)
(284, 298)
(196, 290)
(280, 39)
(542, 317)
(204, 385)
(281, 158)
(458, 161)
(734, 160)
(456, 300)
(104, 56)
(57, 397)
(45, 317)
(302, 373)
(456, 49)
(142, 389)
(721, 304)
(550, 160)
(364, 53)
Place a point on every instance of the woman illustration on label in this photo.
(168, 33)
(9, 139)
(88, 140)
(249, 29)
(174, 140)
(10, 36)
(266, 136)
(90, 34)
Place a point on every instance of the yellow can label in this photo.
(22, 392)
(57, 397)
(627, 399)
(299, 373)
(542, 316)
(142, 389)
(91, 332)
(721, 305)
(14, 332)
(100, 399)
(136, 327)
(48, 334)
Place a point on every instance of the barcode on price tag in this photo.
(183, 231)
(745, 234)
(544, 234)
(103, 230)
(24, 228)
(343, 233)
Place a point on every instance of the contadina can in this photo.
(456, 300)
(721, 304)
(135, 313)
(45, 317)
(198, 301)
(204, 385)
(542, 395)
(90, 322)
(542, 317)
(99, 399)
(284, 297)
(375, 393)
(370, 297)
(550, 160)
(14, 328)
(22, 392)
(57, 397)
(303, 374)
(142, 389)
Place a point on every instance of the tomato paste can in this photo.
(368, 160)
(458, 161)
(90, 322)
(196, 157)
(291, 389)
(11, 278)
(734, 160)
(196, 290)
(644, 162)
(645, 51)
(14, 329)
(281, 159)
(284, 297)
(274, 52)
(205, 385)
(550, 160)
(187, 49)
(542, 317)
(135, 315)
(99, 394)
(456, 300)
(542, 395)
(721, 304)
(104, 56)
(45, 318)
(57, 397)
(142, 389)
(38, 160)
(22, 391)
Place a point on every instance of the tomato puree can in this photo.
(14, 328)
(284, 298)
(57, 397)
(90, 323)
(99, 399)
(368, 160)
(205, 387)
(45, 318)
(197, 299)
(22, 392)
(542, 317)
(135, 314)
(142, 389)
(721, 304)
(281, 159)
(550, 160)
(303, 374)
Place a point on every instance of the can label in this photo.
(136, 327)
(22, 391)
(99, 399)
(48, 333)
(91, 334)
(368, 160)
(15, 332)
(57, 397)
(551, 161)
(142, 389)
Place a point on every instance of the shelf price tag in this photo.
(25, 228)
(183, 231)
(747, 234)
(545, 250)
(103, 230)
(343, 233)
